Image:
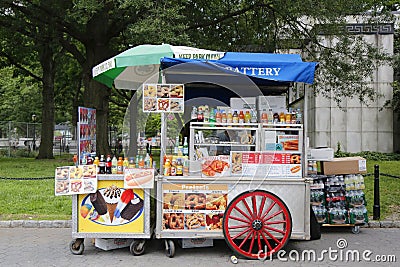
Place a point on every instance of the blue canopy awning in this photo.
(267, 66)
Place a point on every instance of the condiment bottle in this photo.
(167, 168)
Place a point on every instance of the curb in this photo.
(68, 224)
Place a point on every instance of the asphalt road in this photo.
(337, 247)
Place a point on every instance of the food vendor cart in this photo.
(252, 188)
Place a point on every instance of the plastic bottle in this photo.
(229, 117)
(206, 114)
(147, 161)
(235, 117)
(223, 117)
(167, 168)
(114, 163)
(212, 118)
(179, 167)
(125, 164)
(241, 116)
(176, 147)
(89, 159)
(193, 114)
(200, 115)
(120, 166)
(108, 165)
(141, 162)
(247, 116)
(299, 119)
(173, 168)
(84, 159)
(102, 165)
(276, 118)
(218, 117)
(131, 162)
(282, 117)
(96, 162)
(264, 116)
(185, 147)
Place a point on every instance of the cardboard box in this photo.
(273, 103)
(243, 103)
(320, 154)
(348, 165)
(112, 243)
(197, 242)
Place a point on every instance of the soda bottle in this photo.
(141, 162)
(108, 164)
(247, 116)
(96, 162)
(179, 167)
(114, 163)
(131, 163)
(120, 166)
(185, 147)
(102, 165)
(200, 116)
(264, 117)
(206, 114)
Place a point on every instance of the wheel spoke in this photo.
(268, 210)
(273, 215)
(254, 202)
(245, 239)
(252, 242)
(247, 207)
(266, 241)
(275, 222)
(272, 237)
(264, 198)
(275, 230)
(238, 226)
(241, 233)
(259, 241)
(242, 212)
(239, 219)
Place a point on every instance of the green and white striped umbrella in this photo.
(131, 68)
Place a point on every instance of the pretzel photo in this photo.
(173, 221)
(216, 201)
(295, 159)
(194, 221)
(163, 104)
(195, 201)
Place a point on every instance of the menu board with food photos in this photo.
(73, 180)
(266, 164)
(194, 206)
(163, 98)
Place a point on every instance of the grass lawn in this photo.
(35, 199)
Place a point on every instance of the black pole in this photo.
(377, 207)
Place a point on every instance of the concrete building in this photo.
(355, 126)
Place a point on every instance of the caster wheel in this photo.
(170, 248)
(355, 229)
(76, 246)
(137, 247)
(257, 224)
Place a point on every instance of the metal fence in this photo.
(26, 136)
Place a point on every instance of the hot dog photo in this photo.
(138, 178)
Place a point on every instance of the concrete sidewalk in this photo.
(68, 224)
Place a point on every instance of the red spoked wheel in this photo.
(257, 224)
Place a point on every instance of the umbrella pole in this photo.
(133, 146)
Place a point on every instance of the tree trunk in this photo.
(97, 96)
(47, 62)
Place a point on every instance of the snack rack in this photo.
(132, 233)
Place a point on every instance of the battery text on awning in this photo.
(256, 71)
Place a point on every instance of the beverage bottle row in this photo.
(214, 115)
(112, 165)
(293, 116)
